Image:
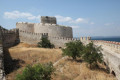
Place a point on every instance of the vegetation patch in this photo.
(45, 43)
(37, 72)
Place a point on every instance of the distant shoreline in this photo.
(117, 39)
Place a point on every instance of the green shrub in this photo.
(92, 55)
(45, 43)
(73, 49)
(37, 72)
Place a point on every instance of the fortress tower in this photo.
(49, 20)
(48, 25)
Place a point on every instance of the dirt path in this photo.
(57, 62)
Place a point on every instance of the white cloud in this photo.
(108, 24)
(63, 19)
(79, 20)
(75, 26)
(92, 23)
(70, 20)
(17, 14)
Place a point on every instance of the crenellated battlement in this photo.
(115, 46)
(48, 25)
(34, 34)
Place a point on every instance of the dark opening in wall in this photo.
(113, 73)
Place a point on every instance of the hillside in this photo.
(66, 69)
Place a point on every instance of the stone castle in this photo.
(48, 25)
(32, 33)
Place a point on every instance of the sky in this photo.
(86, 17)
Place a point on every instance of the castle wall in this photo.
(53, 30)
(111, 54)
(34, 38)
(31, 38)
(2, 73)
(9, 37)
(29, 27)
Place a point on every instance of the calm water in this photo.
(117, 39)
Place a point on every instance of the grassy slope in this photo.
(65, 70)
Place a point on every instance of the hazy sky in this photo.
(86, 17)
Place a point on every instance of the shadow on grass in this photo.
(96, 67)
(11, 64)
(77, 60)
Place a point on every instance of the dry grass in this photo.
(31, 55)
(65, 69)
(72, 70)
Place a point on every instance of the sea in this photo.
(116, 39)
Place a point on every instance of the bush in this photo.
(73, 49)
(45, 43)
(37, 72)
(92, 55)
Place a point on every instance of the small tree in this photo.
(73, 49)
(37, 72)
(92, 55)
(45, 43)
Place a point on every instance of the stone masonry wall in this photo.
(2, 73)
(53, 30)
(31, 38)
(10, 37)
(29, 27)
(34, 38)
(111, 54)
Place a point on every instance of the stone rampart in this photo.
(31, 38)
(114, 46)
(111, 54)
(9, 37)
(29, 27)
(2, 73)
(34, 38)
(59, 42)
(53, 30)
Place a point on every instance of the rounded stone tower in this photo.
(48, 25)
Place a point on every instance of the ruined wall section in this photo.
(29, 27)
(31, 38)
(53, 30)
(9, 37)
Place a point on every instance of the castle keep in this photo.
(48, 25)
